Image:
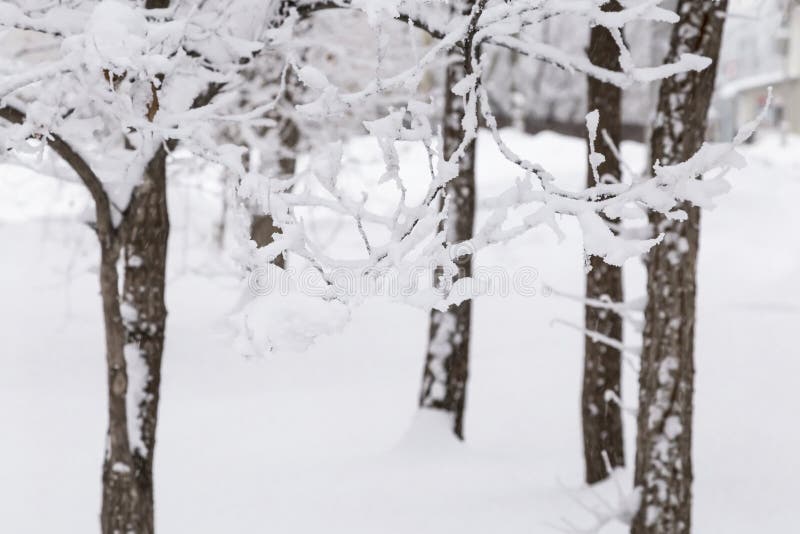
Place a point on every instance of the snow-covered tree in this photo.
(120, 87)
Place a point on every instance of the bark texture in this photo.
(135, 324)
(121, 498)
(602, 419)
(143, 296)
(663, 448)
(444, 378)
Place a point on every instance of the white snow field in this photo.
(329, 440)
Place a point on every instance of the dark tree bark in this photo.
(143, 299)
(663, 448)
(135, 324)
(602, 420)
(444, 379)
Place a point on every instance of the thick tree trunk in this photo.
(135, 326)
(262, 226)
(602, 420)
(444, 379)
(663, 448)
(145, 320)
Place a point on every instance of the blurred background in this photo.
(326, 440)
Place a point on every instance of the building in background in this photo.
(761, 50)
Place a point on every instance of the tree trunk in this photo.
(135, 326)
(145, 320)
(444, 379)
(135, 340)
(663, 448)
(121, 499)
(602, 419)
(262, 226)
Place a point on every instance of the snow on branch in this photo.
(669, 186)
(407, 235)
(127, 82)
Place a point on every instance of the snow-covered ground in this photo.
(329, 440)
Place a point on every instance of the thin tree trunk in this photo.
(444, 379)
(663, 449)
(602, 419)
(222, 224)
(262, 226)
(121, 499)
